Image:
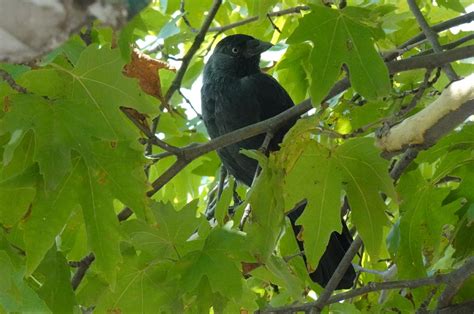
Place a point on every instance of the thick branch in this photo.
(454, 283)
(455, 104)
(432, 36)
(433, 61)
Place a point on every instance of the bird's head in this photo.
(238, 54)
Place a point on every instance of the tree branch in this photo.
(432, 36)
(455, 104)
(454, 283)
(456, 277)
(175, 85)
(466, 18)
(82, 267)
(10, 81)
(251, 19)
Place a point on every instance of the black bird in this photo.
(236, 93)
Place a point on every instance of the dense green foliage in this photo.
(71, 160)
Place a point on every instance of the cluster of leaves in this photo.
(71, 160)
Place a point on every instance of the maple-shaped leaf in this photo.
(322, 175)
(423, 214)
(218, 262)
(168, 236)
(342, 37)
(15, 293)
(142, 286)
(81, 137)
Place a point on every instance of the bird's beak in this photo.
(255, 47)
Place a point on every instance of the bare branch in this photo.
(82, 267)
(151, 136)
(175, 85)
(454, 283)
(10, 81)
(251, 19)
(185, 18)
(190, 104)
(432, 36)
(435, 60)
(466, 18)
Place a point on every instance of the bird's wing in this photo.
(271, 99)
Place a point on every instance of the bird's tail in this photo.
(336, 248)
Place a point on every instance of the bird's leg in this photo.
(215, 195)
(264, 149)
(222, 177)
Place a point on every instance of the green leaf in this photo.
(276, 271)
(56, 289)
(142, 287)
(322, 174)
(15, 294)
(366, 175)
(222, 207)
(167, 238)
(315, 176)
(49, 214)
(266, 222)
(218, 262)
(423, 215)
(452, 4)
(101, 222)
(341, 37)
(16, 195)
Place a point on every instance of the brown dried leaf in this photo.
(145, 69)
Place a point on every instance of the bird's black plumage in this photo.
(236, 93)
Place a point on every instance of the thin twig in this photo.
(451, 45)
(190, 104)
(424, 305)
(432, 37)
(175, 85)
(185, 18)
(466, 18)
(275, 27)
(10, 81)
(408, 156)
(151, 136)
(82, 267)
(251, 19)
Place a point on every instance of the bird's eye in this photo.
(235, 50)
